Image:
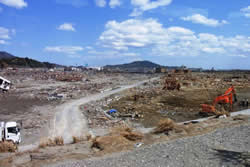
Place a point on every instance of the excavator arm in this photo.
(226, 98)
(231, 92)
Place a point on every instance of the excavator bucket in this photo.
(207, 108)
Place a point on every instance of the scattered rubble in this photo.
(36, 93)
(148, 103)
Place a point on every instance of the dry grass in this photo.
(78, 139)
(132, 136)
(127, 132)
(7, 147)
(120, 138)
(120, 128)
(111, 143)
(59, 141)
(164, 126)
(47, 142)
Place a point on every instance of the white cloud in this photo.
(213, 50)
(89, 47)
(64, 49)
(150, 37)
(19, 4)
(246, 11)
(139, 33)
(180, 30)
(145, 5)
(114, 3)
(207, 36)
(133, 59)
(66, 27)
(4, 33)
(100, 3)
(111, 54)
(200, 19)
(3, 42)
(243, 56)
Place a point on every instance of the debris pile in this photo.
(69, 78)
(171, 84)
(164, 126)
(119, 138)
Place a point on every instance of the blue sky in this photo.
(208, 33)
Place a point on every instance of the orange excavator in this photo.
(226, 98)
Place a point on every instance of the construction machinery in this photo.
(226, 98)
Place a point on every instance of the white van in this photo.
(4, 84)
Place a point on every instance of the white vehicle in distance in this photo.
(4, 84)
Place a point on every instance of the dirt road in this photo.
(69, 121)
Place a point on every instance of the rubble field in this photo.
(33, 99)
(149, 103)
(35, 93)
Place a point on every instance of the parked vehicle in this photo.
(10, 131)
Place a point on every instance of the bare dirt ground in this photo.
(33, 98)
(69, 155)
(223, 147)
(151, 103)
(178, 105)
(81, 110)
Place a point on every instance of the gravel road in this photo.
(69, 122)
(223, 147)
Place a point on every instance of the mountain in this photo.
(136, 67)
(8, 60)
(139, 67)
(5, 55)
(135, 64)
